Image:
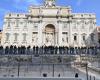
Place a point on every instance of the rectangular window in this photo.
(17, 23)
(25, 21)
(24, 36)
(21, 22)
(75, 38)
(7, 36)
(83, 24)
(16, 37)
(74, 23)
(65, 24)
(35, 24)
(8, 23)
(84, 38)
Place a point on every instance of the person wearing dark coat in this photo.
(19, 50)
(15, 50)
(66, 50)
(23, 47)
(1, 50)
(28, 50)
(37, 49)
(33, 52)
(42, 48)
(76, 75)
(11, 50)
(55, 49)
(7, 50)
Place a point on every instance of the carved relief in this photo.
(34, 38)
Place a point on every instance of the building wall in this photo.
(0, 36)
(69, 27)
(98, 31)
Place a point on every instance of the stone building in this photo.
(50, 25)
(98, 31)
(0, 36)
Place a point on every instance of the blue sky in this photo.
(78, 6)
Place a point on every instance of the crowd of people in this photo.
(48, 50)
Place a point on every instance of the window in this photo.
(81, 15)
(25, 21)
(7, 36)
(24, 36)
(74, 24)
(16, 36)
(83, 24)
(9, 15)
(17, 23)
(91, 25)
(65, 25)
(35, 24)
(13, 22)
(8, 22)
(44, 75)
(83, 37)
(21, 22)
(17, 15)
(75, 38)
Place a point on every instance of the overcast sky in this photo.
(78, 6)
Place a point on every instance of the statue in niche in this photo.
(49, 39)
(34, 39)
(63, 39)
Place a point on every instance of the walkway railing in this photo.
(51, 50)
(40, 79)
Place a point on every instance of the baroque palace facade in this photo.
(50, 25)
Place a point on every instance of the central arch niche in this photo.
(49, 35)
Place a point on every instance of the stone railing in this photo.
(40, 79)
